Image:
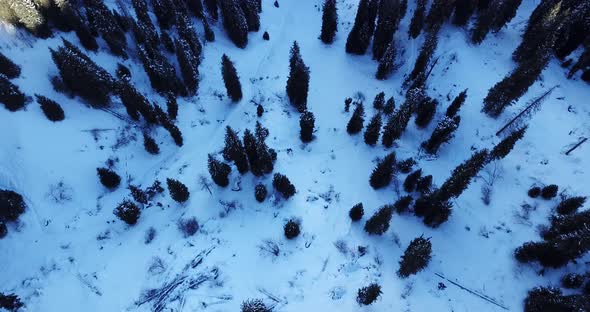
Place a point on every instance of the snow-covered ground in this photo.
(70, 253)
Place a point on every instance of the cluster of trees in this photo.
(12, 205)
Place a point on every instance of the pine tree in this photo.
(463, 11)
(359, 37)
(13, 205)
(282, 184)
(298, 82)
(150, 144)
(265, 156)
(10, 95)
(387, 62)
(254, 305)
(250, 9)
(425, 56)
(171, 106)
(405, 166)
(386, 26)
(128, 212)
(373, 129)
(178, 191)
(455, 106)
(368, 295)
(425, 112)
(234, 22)
(164, 11)
(231, 79)
(549, 191)
(8, 68)
(570, 205)
(123, 72)
(102, 20)
(135, 103)
(462, 175)
(417, 22)
(51, 109)
(434, 209)
(187, 31)
(379, 101)
(403, 204)
(175, 134)
(260, 192)
(389, 106)
(291, 229)
(209, 34)
(506, 12)
(440, 11)
(356, 212)
(3, 230)
(307, 124)
(10, 302)
(379, 222)
(443, 133)
(212, 8)
(424, 184)
(355, 124)
(383, 172)
(188, 62)
(252, 152)
(564, 225)
(234, 150)
(412, 180)
(219, 171)
(396, 125)
(108, 178)
(329, 21)
(81, 75)
(416, 257)
(503, 148)
(484, 21)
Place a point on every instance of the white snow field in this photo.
(69, 252)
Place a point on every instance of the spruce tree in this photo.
(291, 229)
(570, 205)
(355, 124)
(379, 222)
(234, 22)
(549, 191)
(171, 106)
(188, 62)
(102, 20)
(234, 150)
(389, 106)
(298, 81)
(329, 21)
(174, 133)
(424, 184)
(108, 177)
(373, 129)
(463, 11)
(150, 144)
(167, 42)
(387, 23)
(250, 9)
(425, 112)
(412, 180)
(356, 212)
(164, 11)
(10, 302)
(396, 124)
(564, 225)
(219, 171)
(387, 62)
(282, 185)
(3, 230)
(359, 37)
(368, 295)
(434, 209)
(440, 11)
(506, 12)
(212, 8)
(383, 172)
(379, 101)
(462, 175)
(8, 68)
(178, 191)
(406, 165)
(252, 153)
(503, 148)
(306, 123)
(209, 34)
(484, 21)
(51, 109)
(455, 106)
(260, 192)
(425, 56)
(443, 133)
(403, 204)
(416, 257)
(417, 22)
(128, 212)
(10, 95)
(231, 79)
(13, 205)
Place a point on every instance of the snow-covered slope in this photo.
(70, 253)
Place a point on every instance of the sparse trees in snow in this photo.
(219, 171)
(128, 212)
(10, 95)
(108, 177)
(298, 81)
(383, 172)
(379, 222)
(356, 212)
(373, 129)
(416, 257)
(234, 150)
(51, 109)
(234, 22)
(178, 191)
(282, 184)
(231, 79)
(8, 68)
(329, 21)
(307, 124)
(443, 133)
(359, 37)
(355, 124)
(369, 294)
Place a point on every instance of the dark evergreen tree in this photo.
(108, 177)
(425, 56)
(188, 62)
(150, 144)
(81, 75)
(291, 229)
(434, 209)
(359, 37)
(386, 26)
(167, 42)
(259, 110)
(440, 11)
(195, 7)
(379, 222)
(556, 252)
(484, 21)
(416, 257)
(425, 112)
(282, 184)
(219, 171)
(412, 180)
(506, 12)
(3, 230)
(209, 34)
(387, 62)
(51, 109)
(396, 124)
(231, 79)
(12, 205)
(298, 82)
(503, 148)
(128, 212)
(10, 95)
(250, 146)
(250, 9)
(171, 106)
(570, 205)
(234, 151)
(10, 302)
(403, 204)
(417, 22)
(234, 22)
(541, 299)
(164, 11)
(443, 133)
(424, 184)
(383, 172)
(174, 133)
(572, 281)
(307, 124)
(462, 175)
(266, 156)
(355, 124)
(356, 212)
(534, 192)
(389, 106)
(368, 295)
(123, 72)
(455, 106)
(379, 101)
(187, 32)
(178, 191)
(212, 8)
(102, 20)
(254, 305)
(329, 21)
(260, 192)
(463, 11)
(8, 68)
(266, 36)
(566, 225)
(347, 103)
(549, 191)
(406, 165)
(403, 9)
(373, 129)
(135, 103)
